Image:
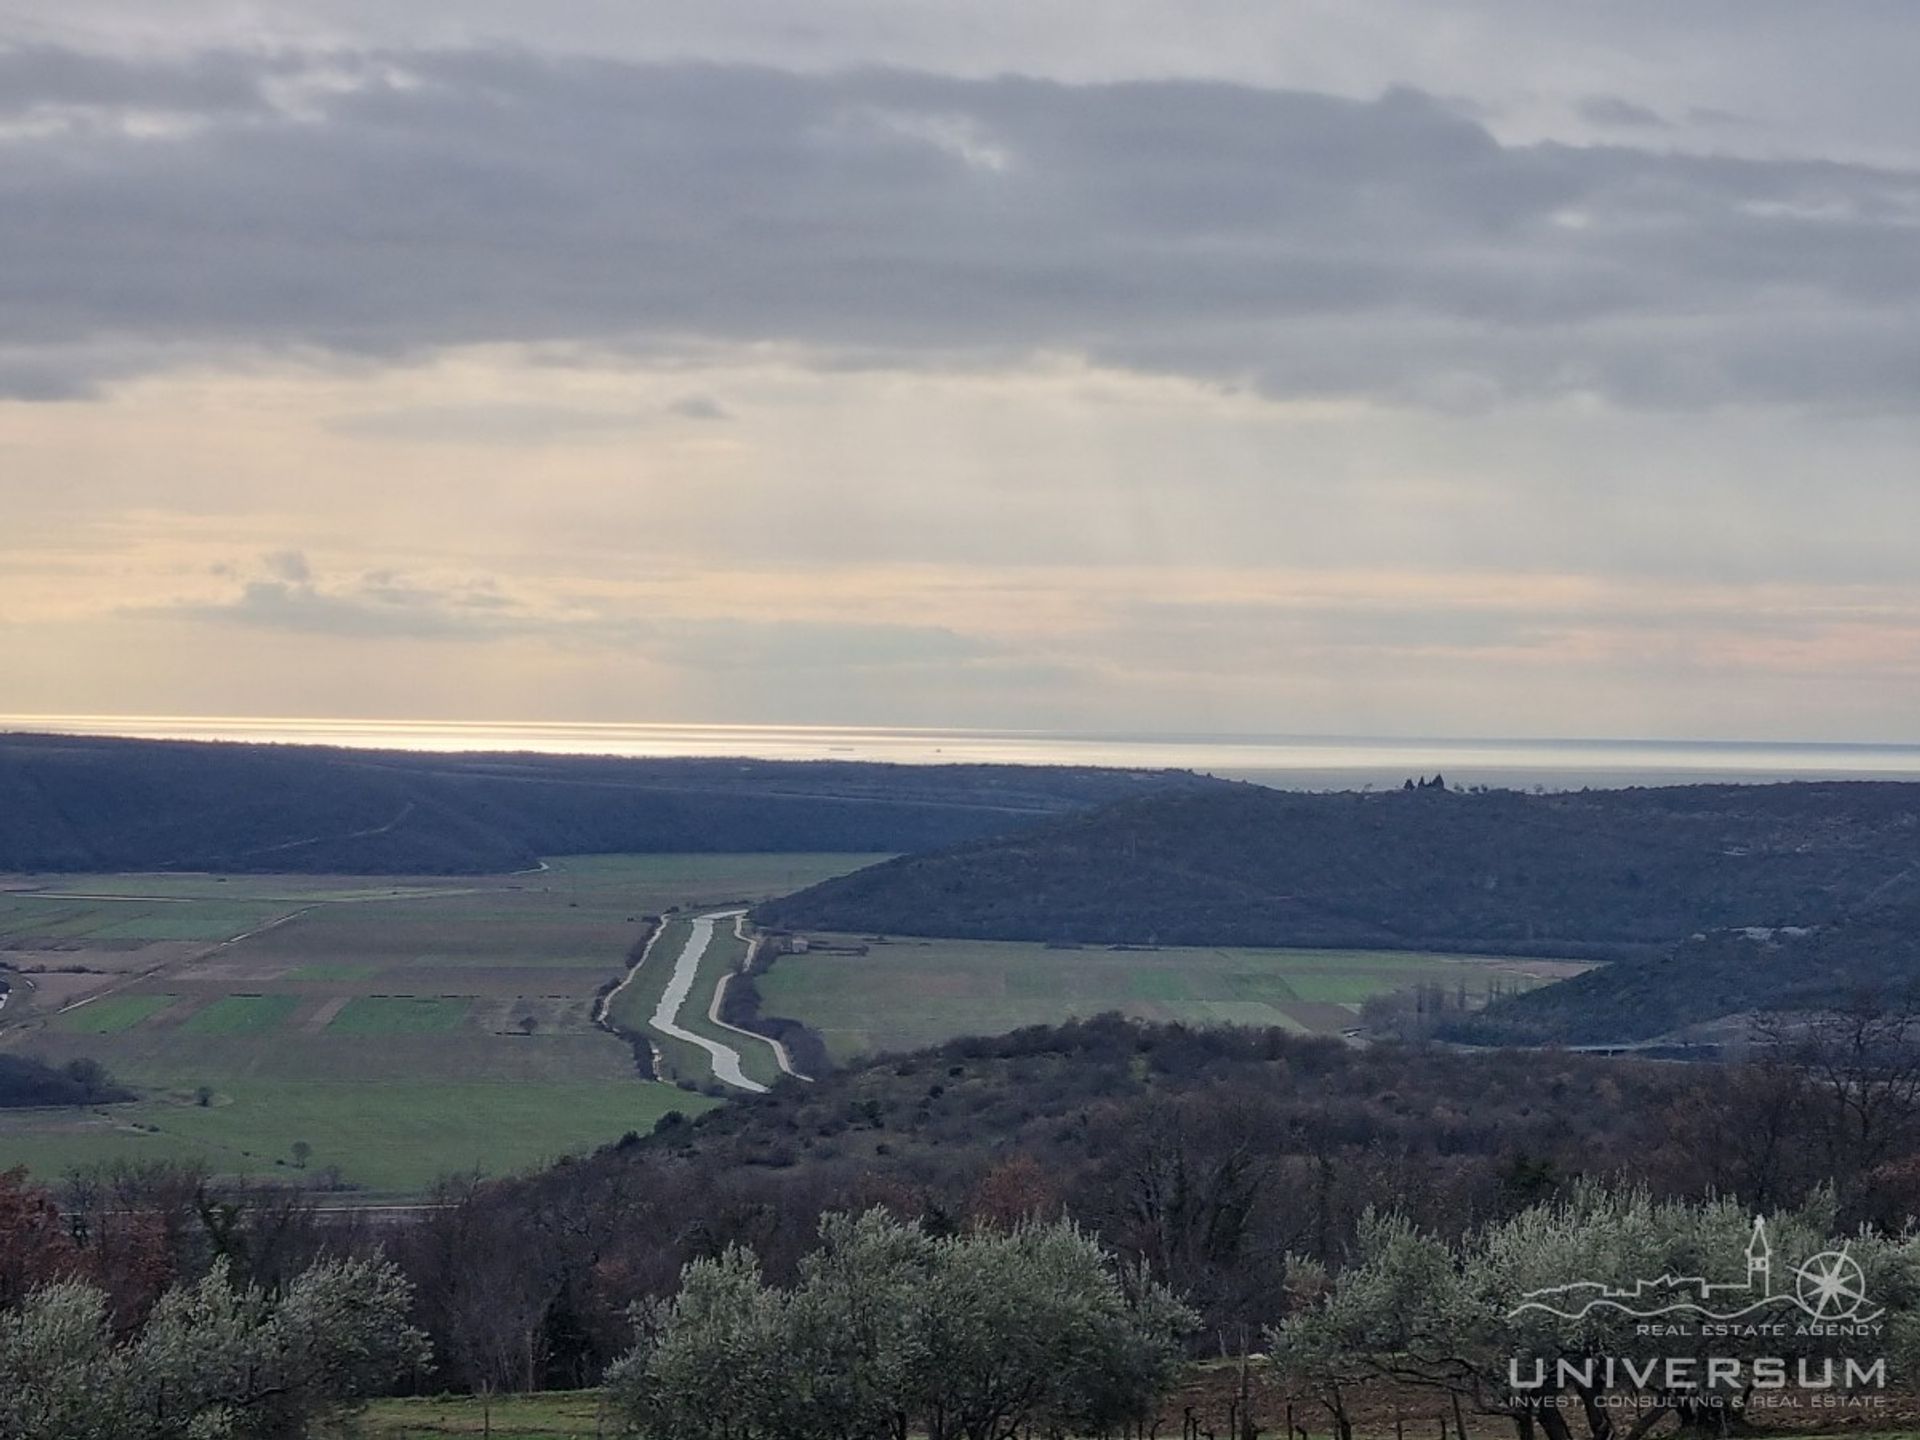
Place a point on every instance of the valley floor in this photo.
(375, 1034)
(370, 1036)
(872, 994)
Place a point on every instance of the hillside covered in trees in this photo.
(86, 804)
(1704, 978)
(1241, 1175)
(1216, 1160)
(1604, 873)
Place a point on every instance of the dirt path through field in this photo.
(719, 1002)
(726, 1060)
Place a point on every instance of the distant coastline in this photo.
(1286, 762)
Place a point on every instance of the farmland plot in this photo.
(903, 993)
(397, 1030)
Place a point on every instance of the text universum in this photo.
(1688, 1372)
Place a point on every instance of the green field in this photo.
(403, 1029)
(695, 882)
(401, 1014)
(242, 1015)
(104, 919)
(338, 970)
(389, 1138)
(110, 1014)
(906, 993)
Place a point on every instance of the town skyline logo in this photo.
(1829, 1287)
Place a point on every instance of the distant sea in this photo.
(1288, 762)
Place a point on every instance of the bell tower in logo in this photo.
(1760, 1259)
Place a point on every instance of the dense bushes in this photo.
(25, 1081)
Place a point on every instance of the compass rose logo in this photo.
(1831, 1286)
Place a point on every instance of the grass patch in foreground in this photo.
(393, 1138)
(571, 1414)
(110, 1014)
(551, 1415)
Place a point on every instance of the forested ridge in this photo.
(1711, 900)
(85, 804)
(1707, 977)
(1593, 872)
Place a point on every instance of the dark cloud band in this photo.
(385, 204)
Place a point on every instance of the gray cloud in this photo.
(385, 605)
(495, 424)
(699, 407)
(375, 606)
(1828, 79)
(1614, 112)
(46, 379)
(1301, 243)
(35, 77)
(760, 646)
(1165, 631)
(289, 566)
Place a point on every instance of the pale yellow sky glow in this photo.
(497, 535)
(480, 373)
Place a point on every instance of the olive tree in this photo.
(1514, 1319)
(1034, 1327)
(854, 1327)
(212, 1362)
(887, 1331)
(712, 1363)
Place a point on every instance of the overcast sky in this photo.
(1339, 366)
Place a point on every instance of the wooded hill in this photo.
(1604, 873)
(1227, 1162)
(74, 804)
(1210, 1156)
(1217, 1158)
(1706, 977)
